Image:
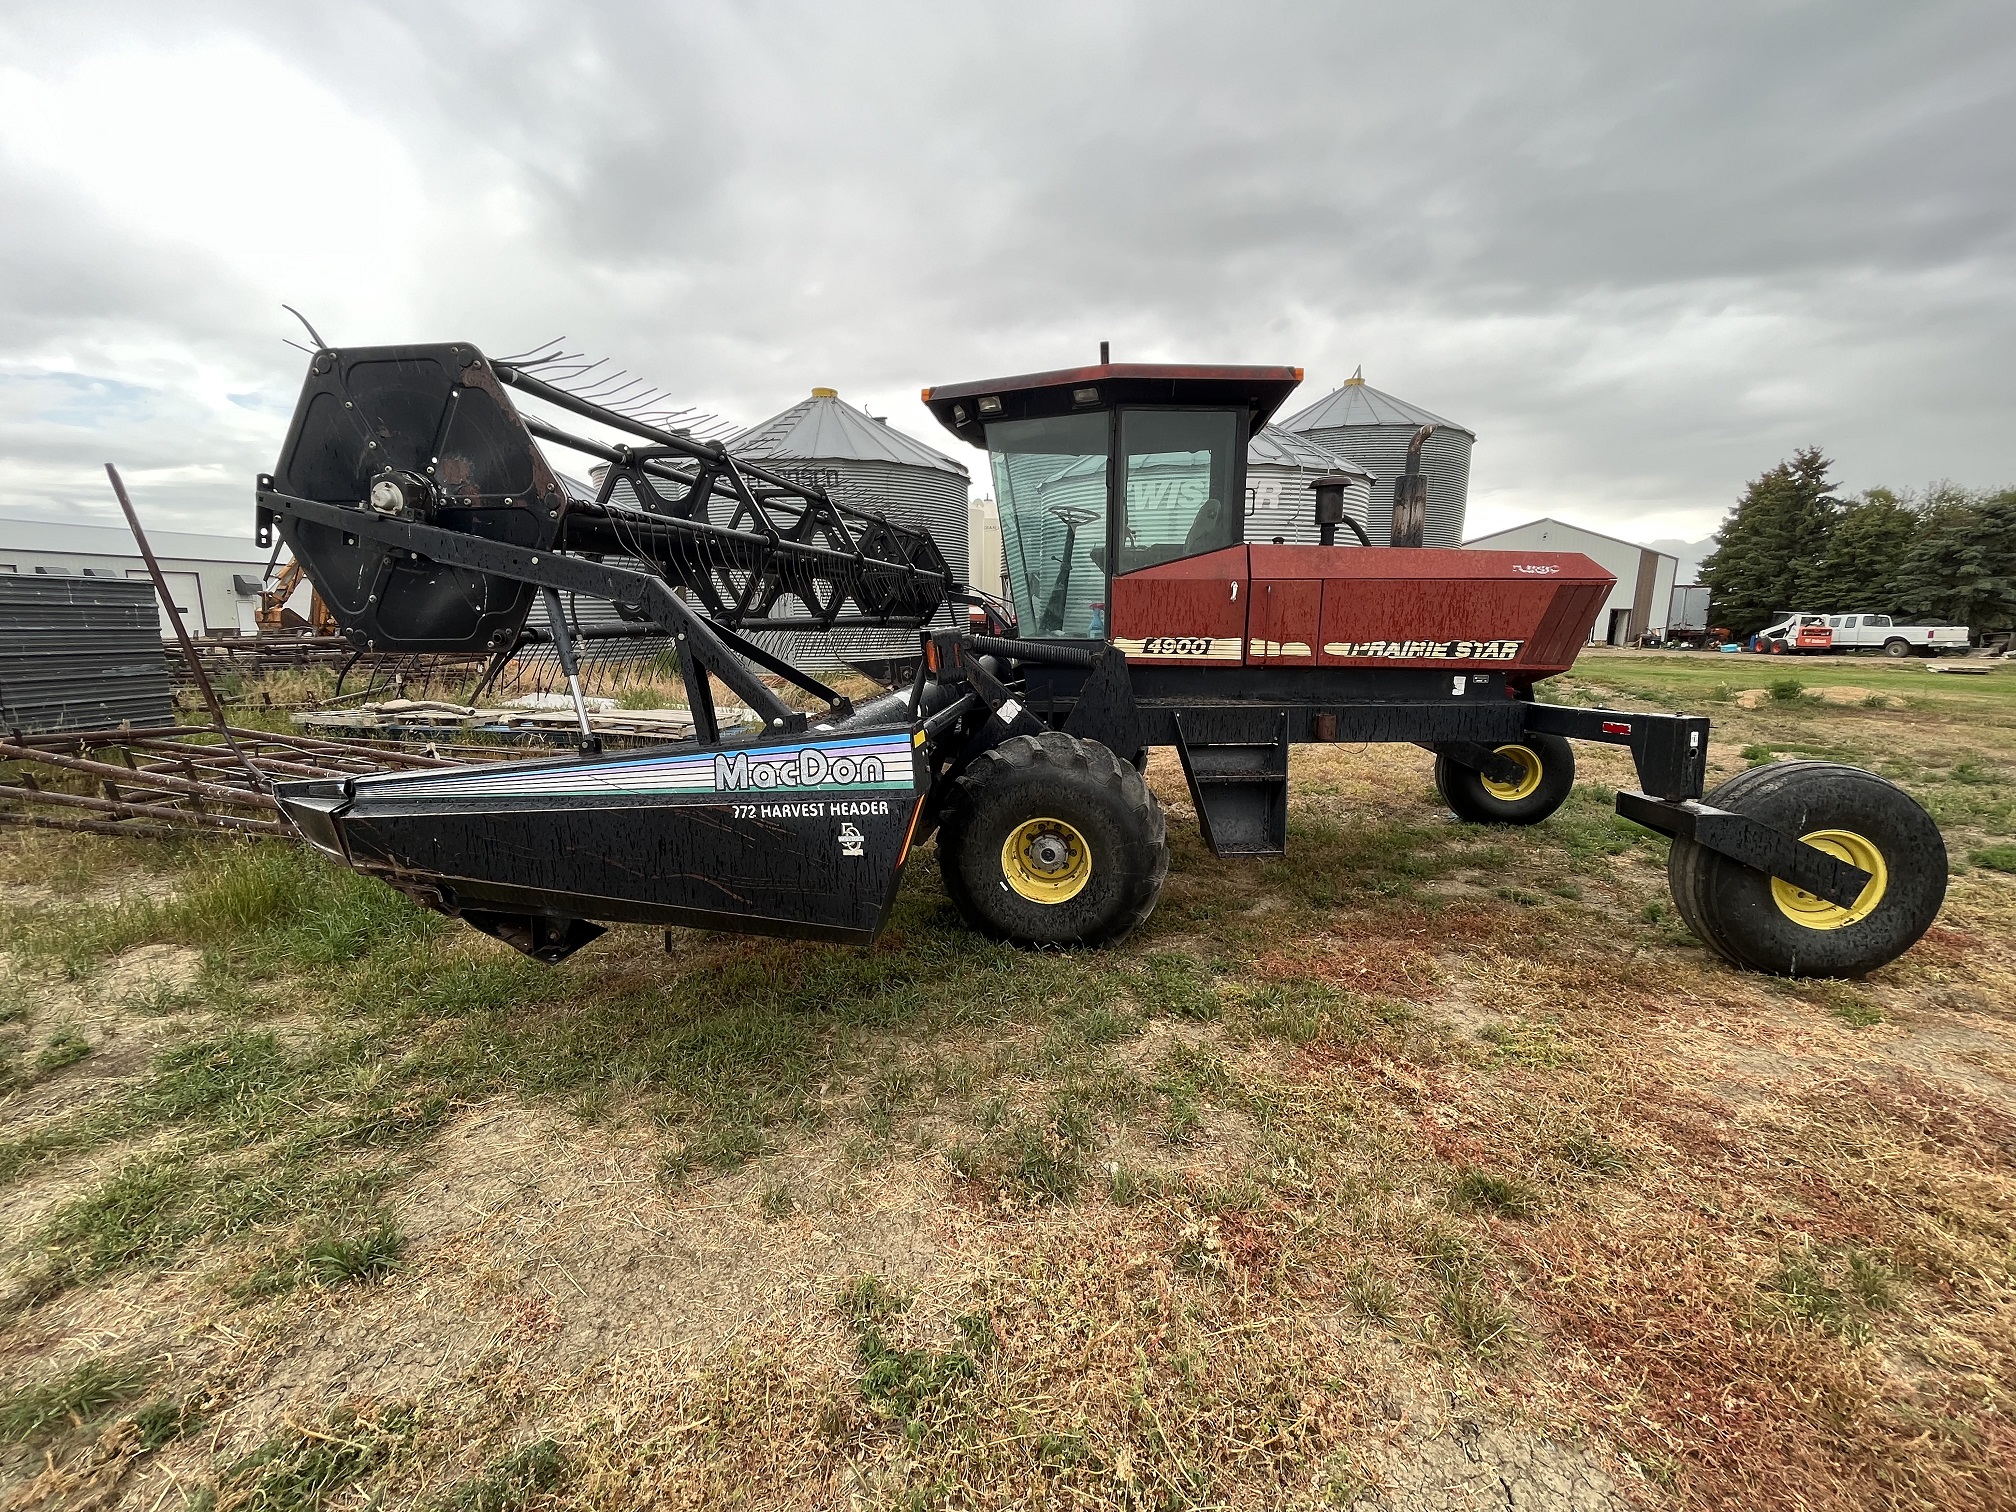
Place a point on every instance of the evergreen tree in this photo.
(1858, 570)
(1961, 569)
(1768, 553)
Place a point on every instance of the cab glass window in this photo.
(1177, 499)
(1050, 482)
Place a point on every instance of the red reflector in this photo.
(1615, 727)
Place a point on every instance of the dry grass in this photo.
(1424, 1168)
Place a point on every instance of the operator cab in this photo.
(1110, 470)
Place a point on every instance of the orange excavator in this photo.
(275, 618)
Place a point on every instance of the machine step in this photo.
(1240, 790)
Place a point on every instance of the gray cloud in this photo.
(1642, 254)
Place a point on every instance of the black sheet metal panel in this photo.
(800, 836)
(80, 653)
(429, 419)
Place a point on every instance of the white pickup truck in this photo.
(1862, 632)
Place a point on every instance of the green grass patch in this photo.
(518, 1480)
(66, 1047)
(163, 1420)
(1489, 1192)
(1476, 1317)
(1591, 1152)
(301, 1472)
(1179, 986)
(2001, 858)
(1331, 864)
(870, 1300)
(1372, 1294)
(330, 1256)
(37, 1409)
(1798, 1290)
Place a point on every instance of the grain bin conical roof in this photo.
(1277, 447)
(1358, 403)
(826, 428)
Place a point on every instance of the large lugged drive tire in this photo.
(1547, 777)
(1768, 925)
(1051, 840)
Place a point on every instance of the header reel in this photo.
(412, 492)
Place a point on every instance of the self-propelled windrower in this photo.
(417, 497)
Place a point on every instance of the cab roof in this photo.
(1065, 391)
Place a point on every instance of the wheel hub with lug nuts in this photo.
(1046, 861)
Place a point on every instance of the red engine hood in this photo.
(1526, 614)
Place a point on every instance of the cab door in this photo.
(1180, 594)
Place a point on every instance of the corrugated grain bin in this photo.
(1373, 428)
(1280, 508)
(863, 462)
(80, 653)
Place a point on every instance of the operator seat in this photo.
(1208, 532)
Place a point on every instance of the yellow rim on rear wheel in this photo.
(1528, 782)
(1805, 908)
(1046, 861)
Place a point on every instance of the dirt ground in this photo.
(1426, 1167)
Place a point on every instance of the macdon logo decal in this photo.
(1492, 650)
(1187, 647)
(1536, 569)
(809, 767)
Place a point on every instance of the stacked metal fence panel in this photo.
(80, 653)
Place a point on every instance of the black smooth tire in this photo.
(1464, 790)
(1739, 913)
(1071, 784)
(1898, 647)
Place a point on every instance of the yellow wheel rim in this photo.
(1528, 782)
(1803, 907)
(1046, 861)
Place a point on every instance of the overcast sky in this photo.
(1642, 252)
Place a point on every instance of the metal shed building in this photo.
(1280, 466)
(215, 579)
(865, 463)
(1373, 427)
(1641, 601)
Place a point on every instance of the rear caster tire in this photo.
(1547, 777)
(1767, 925)
(1051, 840)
